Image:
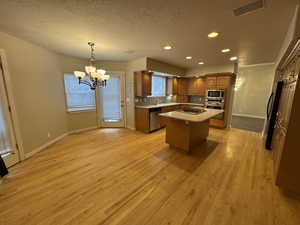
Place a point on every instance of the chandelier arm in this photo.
(86, 83)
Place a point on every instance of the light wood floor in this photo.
(122, 177)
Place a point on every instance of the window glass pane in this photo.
(5, 145)
(79, 96)
(158, 86)
(111, 100)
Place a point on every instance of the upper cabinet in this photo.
(142, 83)
(172, 86)
(183, 86)
(196, 86)
(218, 82)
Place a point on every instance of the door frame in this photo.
(13, 112)
(123, 91)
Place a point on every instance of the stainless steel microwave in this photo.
(215, 93)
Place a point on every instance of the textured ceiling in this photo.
(128, 29)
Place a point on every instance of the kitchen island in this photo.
(187, 130)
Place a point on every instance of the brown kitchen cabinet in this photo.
(142, 119)
(172, 86)
(211, 82)
(183, 86)
(218, 81)
(142, 83)
(196, 86)
(285, 140)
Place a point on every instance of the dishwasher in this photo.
(154, 119)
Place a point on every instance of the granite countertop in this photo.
(167, 104)
(210, 113)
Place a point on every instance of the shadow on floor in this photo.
(187, 161)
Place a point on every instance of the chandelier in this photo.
(97, 77)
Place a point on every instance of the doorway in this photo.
(111, 102)
(8, 145)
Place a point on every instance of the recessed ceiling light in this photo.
(168, 47)
(213, 34)
(226, 50)
(200, 63)
(233, 58)
(189, 57)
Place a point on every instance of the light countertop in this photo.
(210, 113)
(166, 104)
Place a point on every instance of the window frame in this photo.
(165, 87)
(74, 109)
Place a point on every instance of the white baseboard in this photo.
(33, 152)
(82, 130)
(130, 128)
(249, 116)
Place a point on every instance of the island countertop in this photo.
(210, 113)
(167, 104)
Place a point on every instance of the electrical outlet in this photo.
(49, 135)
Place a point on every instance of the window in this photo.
(158, 86)
(79, 96)
(111, 100)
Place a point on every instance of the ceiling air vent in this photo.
(251, 7)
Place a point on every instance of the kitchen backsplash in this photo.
(166, 99)
(197, 99)
(154, 100)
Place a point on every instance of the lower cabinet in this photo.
(142, 119)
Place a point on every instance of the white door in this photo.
(111, 101)
(8, 145)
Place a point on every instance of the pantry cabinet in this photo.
(285, 141)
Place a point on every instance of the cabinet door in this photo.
(142, 83)
(211, 82)
(223, 82)
(175, 86)
(182, 86)
(172, 86)
(169, 86)
(278, 141)
(201, 87)
(147, 83)
(191, 86)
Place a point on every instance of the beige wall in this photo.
(293, 31)
(36, 79)
(202, 70)
(132, 66)
(252, 90)
(162, 67)
(86, 119)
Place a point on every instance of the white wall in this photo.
(252, 90)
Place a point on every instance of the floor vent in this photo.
(249, 8)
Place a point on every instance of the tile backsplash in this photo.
(166, 99)
(197, 99)
(154, 100)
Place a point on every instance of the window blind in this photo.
(111, 98)
(79, 96)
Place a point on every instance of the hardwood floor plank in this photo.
(123, 177)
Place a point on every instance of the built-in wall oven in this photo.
(215, 100)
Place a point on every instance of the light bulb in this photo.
(79, 74)
(90, 69)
